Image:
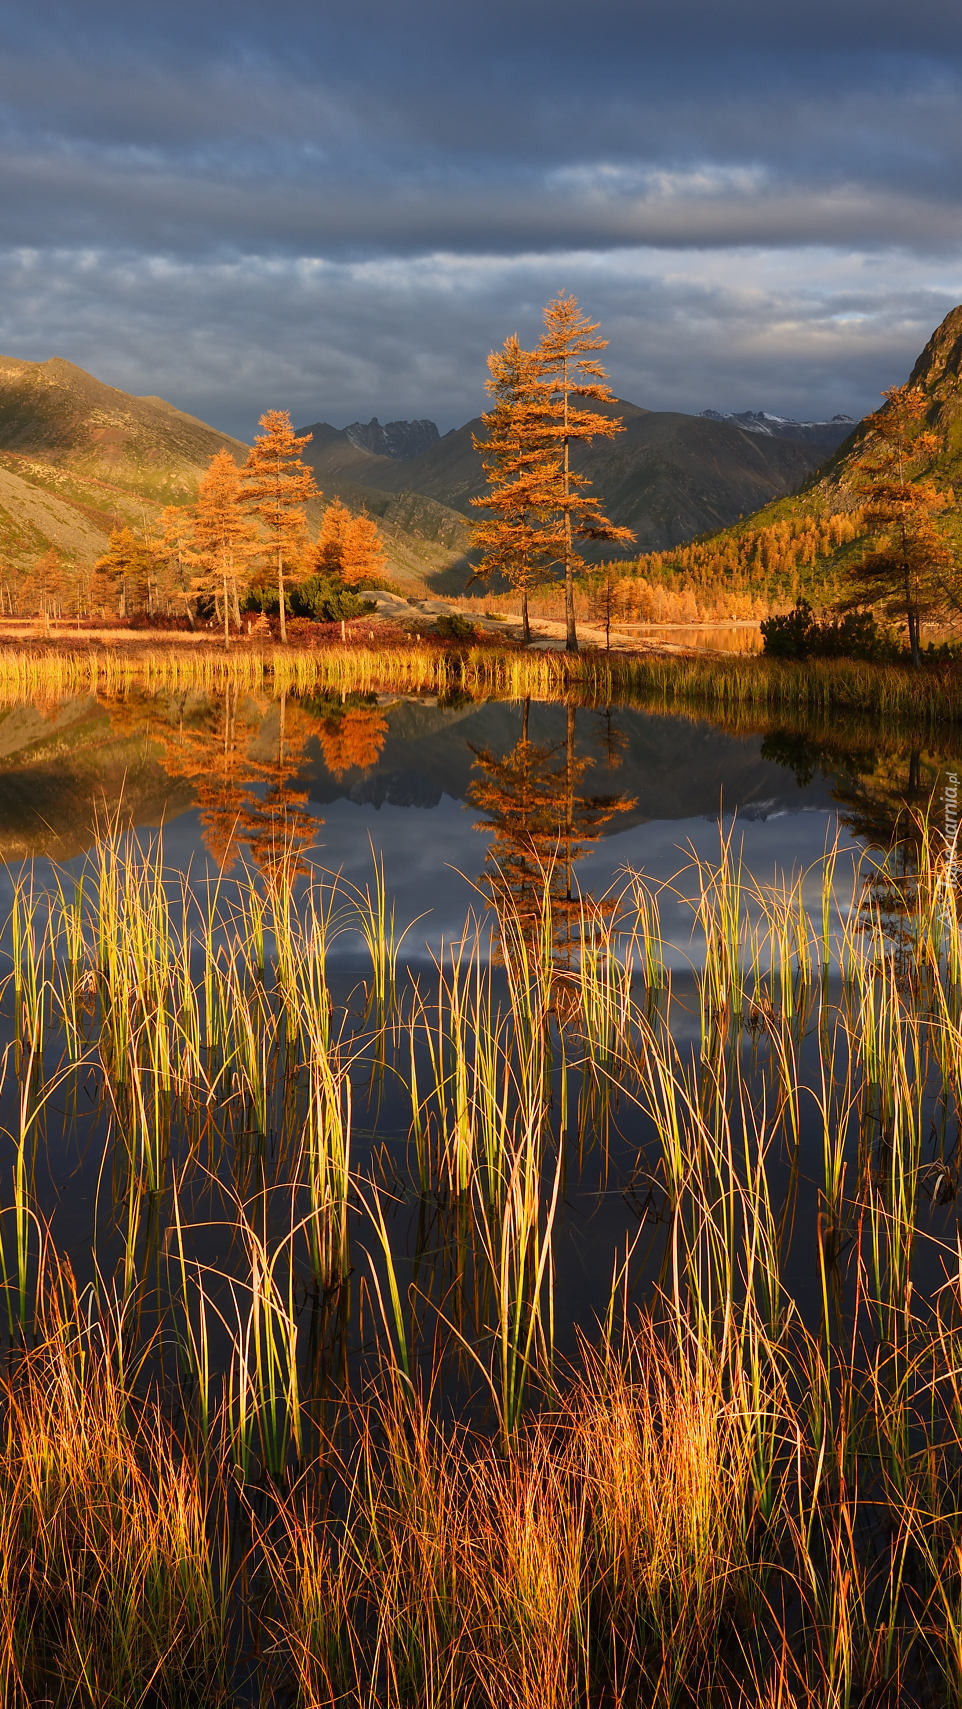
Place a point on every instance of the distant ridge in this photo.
(829, 434)
(398, 439)
(670, 477)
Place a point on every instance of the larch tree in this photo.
(128, 566)
(173, 543)
(277, 484)
(911, 571)
(223, 538)
(45, 587)
(349, 548)
(364, 557)
(567, 363)
(522, 466)
(326, 557)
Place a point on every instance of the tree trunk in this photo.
(525, 625)
(226, 618)
(280, 594)
(571, 636)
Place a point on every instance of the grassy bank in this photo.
(930, 695)
(297, 1408)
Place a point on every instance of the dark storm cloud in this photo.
(350, 205)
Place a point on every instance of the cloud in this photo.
(803, 332)
(343, 209)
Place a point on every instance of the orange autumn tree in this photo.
(277, 484)
(44, 588)
(223, 539)
(568, 366)
(364, 556)
(172, 542)
(348, 547)
(520, 461)
(911, 570)
(326, 556)
(129, 566)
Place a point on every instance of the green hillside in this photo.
(791, 547)
(78, 458)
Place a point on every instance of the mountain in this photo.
(78, 458)
(938, 371)
(825, 433)
(396, 439)
(669, 476)
(56, 412)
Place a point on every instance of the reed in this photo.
(313, 1409)
(735, 687)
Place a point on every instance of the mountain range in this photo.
(78, 458)
(826, 433)
(668, 476)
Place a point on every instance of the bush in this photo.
(799, 635)
(323, 599)
(451, 627)
(327, 601)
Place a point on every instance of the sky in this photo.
(340, 209)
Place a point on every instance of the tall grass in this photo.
(311, 1413)
(730, 685)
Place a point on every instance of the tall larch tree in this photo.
(128, 565)
(223, 538)
(522, 466)
(277, 484)
(173, 543)
(911, 571)
(567, 362)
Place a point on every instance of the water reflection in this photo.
(543, 821)
(891, 794)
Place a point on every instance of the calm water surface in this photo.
(436, 792)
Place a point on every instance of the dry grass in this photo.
(731, 1497)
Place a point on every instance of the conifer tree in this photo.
(522, 465)
(326, 558)
(127, 566)
(364, 557)
(910, 572)
(174, 544)
(568, 365)
(277, 484)
(349, 548)
(45, 586)
(223, 539)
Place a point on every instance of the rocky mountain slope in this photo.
(938, 371)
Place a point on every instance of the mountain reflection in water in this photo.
(581, 790)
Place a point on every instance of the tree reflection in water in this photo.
(891, 795)
(242, 756)
(544, 821)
